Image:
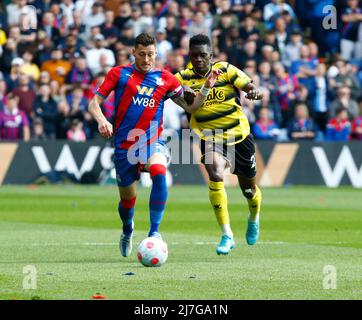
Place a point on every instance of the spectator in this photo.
(173, 10)
(12, 79)
(136, 22)
(185, 18)
(222, 30)
(197, 25)
(44, 48)
(79, 75)
(45, 108)
(301, 127)
(270, 39)
(63, 120)
(352, 19)
(123, 57)
(37, 134)
(173, 31)
(344, 100)
(345, 77)
(127, 38)
(95, 18)
(265, 128)
(267, 80)
(93, 56)
(274, 10)
(49, 26)
(357, 123)
(57, 67)
(224, 8)
(25, 94)
(3, 90)
(9, 54)
(303, 97)
(339, 128)
(148, 18)
(109, 29)
(320, 114)
(75, 132)
(124, 16)
(84, 7)
(281, 34)
(163, 46)
(305, 70)
(204, 7)
(55, 91)
(27, 32)
(78, 25)
(286, 92)
(292, 49)
(14, 10)
(14, 124)
(28, 67)
(67, 7)
(248, 29)
(44, 78)
(249, 53)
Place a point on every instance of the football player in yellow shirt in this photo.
(225, 135)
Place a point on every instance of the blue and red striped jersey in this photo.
(139, 101)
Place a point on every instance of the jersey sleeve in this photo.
(179, 77)
(109, 83)
(237, 77)
(175, 87)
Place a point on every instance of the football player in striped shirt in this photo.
(225, 136)
(140, 92)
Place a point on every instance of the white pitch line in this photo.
(198, 243)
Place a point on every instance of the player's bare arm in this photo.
(200, 97)
(252, 92)
(104, 127)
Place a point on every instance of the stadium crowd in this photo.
(54, 55)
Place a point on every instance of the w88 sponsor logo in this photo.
(146, 102)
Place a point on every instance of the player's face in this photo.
(145, 57)
(200, 57)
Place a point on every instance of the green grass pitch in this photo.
(71, 233)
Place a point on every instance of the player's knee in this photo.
(157, 169)
(248, 192)
(216, 173)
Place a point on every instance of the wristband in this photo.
(205, 91)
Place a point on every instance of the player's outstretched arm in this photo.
(252, 92)
(201, 95)
(104, 127)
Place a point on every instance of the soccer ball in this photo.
(152, 252)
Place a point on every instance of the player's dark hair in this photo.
(145, 40)
(199, 40)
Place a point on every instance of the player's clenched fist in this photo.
(105, 129)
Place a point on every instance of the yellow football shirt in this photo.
(221, 117)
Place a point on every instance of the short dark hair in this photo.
(145, 39)
(199, 40)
